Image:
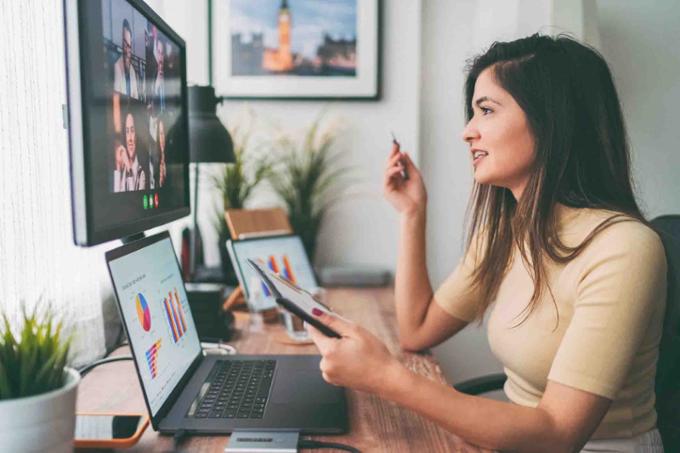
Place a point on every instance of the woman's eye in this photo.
(485, 111)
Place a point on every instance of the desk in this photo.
(376, 425)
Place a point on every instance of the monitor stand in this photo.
(133, 238)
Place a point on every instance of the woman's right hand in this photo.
(408, 196)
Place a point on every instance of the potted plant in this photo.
(37, 390)
(236, 183)
(308, 179)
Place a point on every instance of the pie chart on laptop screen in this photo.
(143, 312)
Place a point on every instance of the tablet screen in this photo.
(294, 294)
(284, 255)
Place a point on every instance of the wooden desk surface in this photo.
(376, 425)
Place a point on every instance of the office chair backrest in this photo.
(668, 368)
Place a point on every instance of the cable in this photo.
(303, 443)
(177, 439)
(87, 368)
(218, 347)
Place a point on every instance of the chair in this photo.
(668, 368)
(667, 384)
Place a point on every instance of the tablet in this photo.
(294, 299)
(284, 255)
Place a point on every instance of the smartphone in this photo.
(404, 174)
(109, 430)
(294, 299)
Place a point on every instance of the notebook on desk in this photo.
(185, 390)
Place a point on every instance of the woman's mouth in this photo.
(478, 155)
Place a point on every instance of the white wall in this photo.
(363, 228)
(446, 166)
(639, 41)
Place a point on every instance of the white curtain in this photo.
(38, 260)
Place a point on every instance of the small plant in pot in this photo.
(308, 178)
(37, 389)
(236, 184)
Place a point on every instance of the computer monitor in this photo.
(127, 119)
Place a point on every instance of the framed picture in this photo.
(296, 49)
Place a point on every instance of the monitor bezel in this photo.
(84, 231)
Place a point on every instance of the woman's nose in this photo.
(470, 132)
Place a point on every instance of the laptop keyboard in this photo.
(238, 389)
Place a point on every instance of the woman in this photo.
(129, 173)
(157, 168)
(162, 171)
(558, 254)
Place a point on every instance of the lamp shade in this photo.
(209, 140)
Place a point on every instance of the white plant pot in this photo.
(41, 423)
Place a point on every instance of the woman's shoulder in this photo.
(581, 222)
(610, 231)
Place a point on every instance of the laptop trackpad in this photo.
(303, 387)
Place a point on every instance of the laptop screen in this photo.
(156, 314)
(283, 255)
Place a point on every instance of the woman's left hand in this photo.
(357, 360)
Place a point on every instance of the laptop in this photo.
(209, 394)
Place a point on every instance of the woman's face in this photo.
(130, 142)
(501, 144)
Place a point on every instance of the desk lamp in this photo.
(209, 141)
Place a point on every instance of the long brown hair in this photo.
(582, 158)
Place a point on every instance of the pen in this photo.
(404, 174)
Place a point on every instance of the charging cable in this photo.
(217, 348)
(208, 348)
(116, 358)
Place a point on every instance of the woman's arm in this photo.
(421, 322)
(563, 421)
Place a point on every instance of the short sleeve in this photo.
(457, 295)
(621, 285)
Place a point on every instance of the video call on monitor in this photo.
(134, 115)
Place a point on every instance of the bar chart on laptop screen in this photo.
(174, 314)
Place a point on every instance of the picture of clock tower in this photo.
(281, 59)
(285, 52)
(322, 42)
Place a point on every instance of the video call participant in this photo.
(150, 40)
(129, 174)
(124, 74)
(159, 82)
(157, 168)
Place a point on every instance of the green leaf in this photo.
(33, 361)
(306, 179)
